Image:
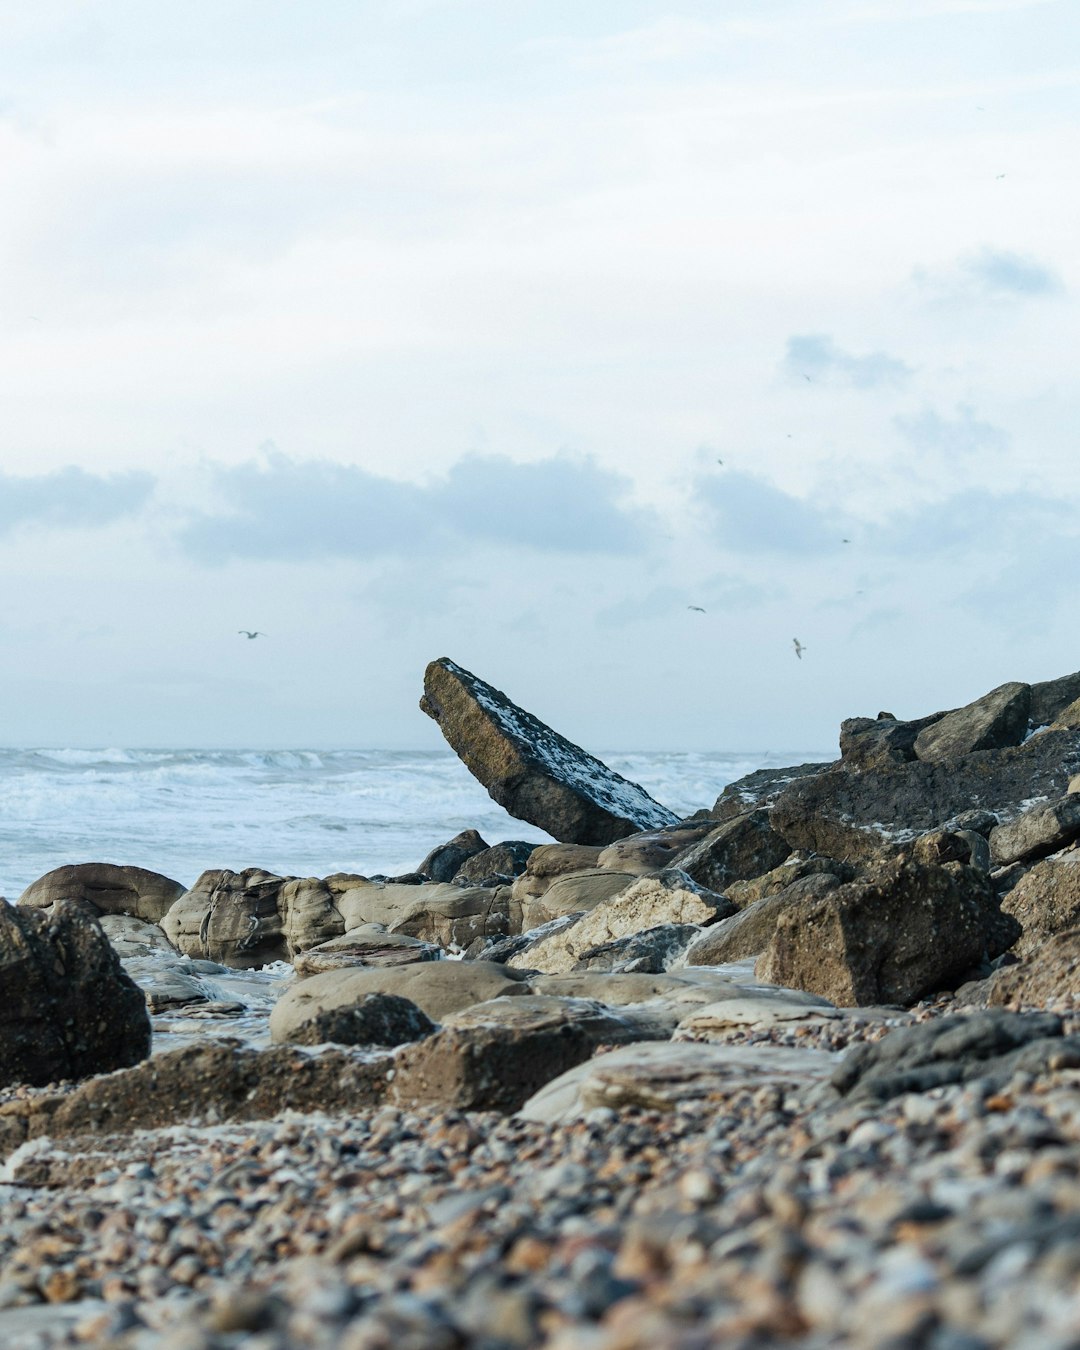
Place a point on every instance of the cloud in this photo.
(990, 274)
(815, 356)
(749, 515)
(975, 521)
(281, 508)
(964, 434)
(71, 498)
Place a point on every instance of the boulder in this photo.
(1050, 698)
(735, 1017)
(495, 865)
(69, 1009)
(989, 1046)
(1043, 830)
(436, 987)
(653, 850)
(573, 893)
(230, 917)
(369, 945)
(760, 788)
(998, 719)
(106, 888)
(133, 937)
(742, 894)
(944, 846)
(309, 913)
(496, 1055)
(485, 950)
(1068, 718)
(670, 996)
(906, 931)
(1045, 901)
(743, 847)
(665, 1077)
(876, 742)
(547, 862)
(1049, 975)
(444, 862)
(452, 916)
(857, 816)
(750, 931)
(668, 897)
(374, 1019)
(166, 985)
(649, 952)
(529, 769)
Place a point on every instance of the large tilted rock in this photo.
(906, 931)
(529, 769)
(68, 1009)
(106, 888)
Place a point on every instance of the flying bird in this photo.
(696, 608)
(999, 175)
(845, 541)
(246, 632)
(799, 648)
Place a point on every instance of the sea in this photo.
(292, 812)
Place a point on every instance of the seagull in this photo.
(845, 541)
(719, 461)
(246, 632)
(696, 608)
(999, 176)
(799, 648)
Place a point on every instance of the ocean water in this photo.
(293, 812)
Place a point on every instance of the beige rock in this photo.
(750, 930)
(996, 720)
(653, 850)
(715, 1021)
(106, 888)
(369, 945)
(549, 861)
(1045, 901)
(448, 915)
(574, 893)
(1048, 977)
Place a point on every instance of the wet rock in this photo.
(106, 888)
(650, 952)
(374, 1019)
(760, 788)
(1044, 829)
(68, 1008)
(368, 945)
(743, 847)
(166, 986)
(133, 937)
(444, 862)
(495, 865)
(529, 769)
(452, 916)
(998, 719)
(907, 931)
(1045, 900)
(989, 1045)
(750, 931)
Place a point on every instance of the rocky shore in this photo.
(800, 1069)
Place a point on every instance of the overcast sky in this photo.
(510, 332)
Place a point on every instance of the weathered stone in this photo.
(990, 1046)
(760, 788)
(750, 931)
(1045, 900)
(106, 888)
(1050, 698)
(547, 862)
(369, 945)
(1048, 975)
(133, 937)
(671, 995)
(742, 894)
(501, 951)
(309, 914)
(650, 952)
(876, 742)
(495, 865)
(1044, 829)
(743, 847)
(718, 1021)
(907, 931)
(374, 1019)
(68, 1007)
(231, 917)
(1069, 717)
(437, 987)
(998, 719)
(443, 862)
(574, 893)
(859, 815)
(653, 850)
(529, 769)
(943, 846)
(450, 915)
(166, 986)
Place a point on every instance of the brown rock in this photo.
(106, 888)
(443, 913)
(745, 846)
(1047, 976)
(1045, 901)
(998, 719)
(750, 931)
(653, 850)
(1042, 830)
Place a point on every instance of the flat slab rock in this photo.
(529, 769)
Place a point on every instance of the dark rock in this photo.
(1043, 830)
(529, 769)
(760, 788)
(495, 865)
(649, 952)
(750, 931)
(998, 719)
(859, 815)
(68, 1009)
(106, 888)
(365, 946)
(742, 894)
(985, 1045)
(744, 846)
(375, 1019)
(1050, 973)
(1050, 698)
(944, 846)
(906, 931)
(876, 742)
(503, 950)
(1045, 900)
(443, 863)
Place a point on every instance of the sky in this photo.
(605, 349)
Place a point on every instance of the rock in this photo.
(668, 897)
(717, 1021)
(743, 847)
(574, 893)
(742, 894)
(1049, 974)
(944, 846)
(1069, 718)
(374, 1019)
(760, 788)
(309, 913)
(650, 952)
(68, 1008)
(368, 945)
(907, 931)
(503, 950)
(653, 850)
(444, 862)
(857, 816)
(991, 1046)
(875, 742)
(166, 987)
(1044, 829)
(106, 888)
(547, 862)
(998, 719)
(495, 865)
(1044, 901)
(667, 1076)
(750, 931)
(452, 916)
(495, 1058)
(133, 937)
(529, 769)
(230, 917)
(1050, 698)
(436, 987)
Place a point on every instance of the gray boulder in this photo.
(750, 931)
(650, 952)
(876, 742)
(1043, 830)
(998, 719)
(760, 788)
(443, 913)
(106, 888)
(742, 894)
(495, 865)
(233, 918)
(370, 945)
(444, 862)
(740, 848)
(69, 1009)
(529, 769)
(374, 1019)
